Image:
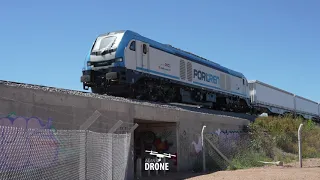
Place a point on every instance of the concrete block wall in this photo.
(66, 112)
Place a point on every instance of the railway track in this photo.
(177, 106)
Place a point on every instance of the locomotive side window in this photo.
(133, 46)
(144, 49)
(243, 81)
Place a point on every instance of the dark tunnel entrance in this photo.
(156, 136)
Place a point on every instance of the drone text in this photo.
(156, 166)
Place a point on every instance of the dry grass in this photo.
(276, 139)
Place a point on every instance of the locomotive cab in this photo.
(104, 63)
(103, 51)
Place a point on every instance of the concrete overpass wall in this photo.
(189, 133)
(69, 110)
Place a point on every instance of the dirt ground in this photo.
(309, 171)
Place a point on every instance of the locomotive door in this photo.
(142, 55)
(145, 55)
(244, 86)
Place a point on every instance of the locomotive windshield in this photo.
(103, 43)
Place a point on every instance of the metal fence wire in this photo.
(228, 146)
(49, 154)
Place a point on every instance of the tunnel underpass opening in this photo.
(159, 136)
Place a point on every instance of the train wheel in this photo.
(169, 95)
(136, 93)
(153, 96)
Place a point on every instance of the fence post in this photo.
(299, 144)
(83, 144)
(109, 161)
(90, 120)
(164, 160)
(139, 168)
(125, 155)
(127, 146)
(131, 149)
(203, 151)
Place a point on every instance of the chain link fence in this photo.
(267, 141)
(62, 154)
(220, 150)
(242, 149)
(82, 144)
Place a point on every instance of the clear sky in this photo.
(274, 41)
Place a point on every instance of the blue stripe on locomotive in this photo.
(129, 35)
(86, 60)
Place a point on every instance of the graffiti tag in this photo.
(219, 131)
(35, 148)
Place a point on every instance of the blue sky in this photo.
(277, 42)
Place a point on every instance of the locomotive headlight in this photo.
(88, 63)
(118, 60)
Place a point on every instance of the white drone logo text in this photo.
(150, 165)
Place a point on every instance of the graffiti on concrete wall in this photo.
(189, 147)
(11, 114)
(197, 145)
(190, 142)
(158, 142)
(228, 141)
(184, 145)
(226, 135)
(228, 132)
(35, 148)
(161, 140)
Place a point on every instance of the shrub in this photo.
(276, 138)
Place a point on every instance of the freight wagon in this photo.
(272, 100)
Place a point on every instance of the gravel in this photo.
(121, 99)
(310, 171)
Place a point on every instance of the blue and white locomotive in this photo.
(124, 63)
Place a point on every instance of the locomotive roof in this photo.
(176, 51)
